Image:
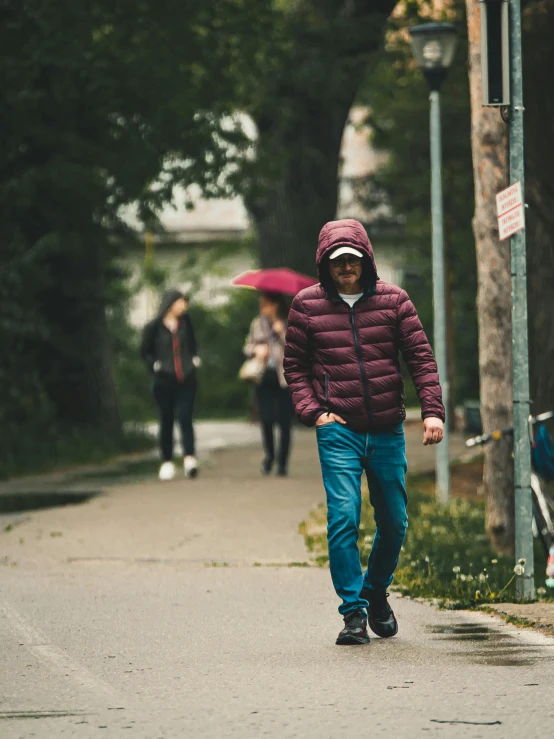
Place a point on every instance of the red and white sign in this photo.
(510, 212)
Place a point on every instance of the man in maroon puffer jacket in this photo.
(342, 366)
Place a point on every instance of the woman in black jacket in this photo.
(169, 349)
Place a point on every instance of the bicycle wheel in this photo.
(542, 514)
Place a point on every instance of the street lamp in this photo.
(433, 46)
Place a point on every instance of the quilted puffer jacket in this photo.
(346, 360)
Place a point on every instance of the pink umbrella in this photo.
(281, 280)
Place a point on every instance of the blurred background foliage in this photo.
(99, 102)
(397, 97)
(115, 102)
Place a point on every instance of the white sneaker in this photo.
(167, 471)
(190, 465)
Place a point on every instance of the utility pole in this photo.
(525, 586)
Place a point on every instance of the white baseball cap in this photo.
(345, 250)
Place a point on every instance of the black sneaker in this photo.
(266, 466)
(381, 618)
(355, 629)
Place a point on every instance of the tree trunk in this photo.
(540, 271)
(290, 209)
(76, 366)
(300, 116)
(489, 147)
(538, 56)
(80, 385)
(98, 381)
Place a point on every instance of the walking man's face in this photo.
(346, 271)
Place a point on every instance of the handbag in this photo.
(252, 370)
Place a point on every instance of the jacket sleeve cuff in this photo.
(310, 419)
(433, 414)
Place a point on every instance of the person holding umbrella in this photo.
(266, 343)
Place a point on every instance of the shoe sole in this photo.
(348, 641)
(383, 636)
(192, 475)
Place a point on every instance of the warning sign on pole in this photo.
(510, 211)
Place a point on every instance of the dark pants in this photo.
(275, 406)
(175, 399)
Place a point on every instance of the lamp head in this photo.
(434, 45)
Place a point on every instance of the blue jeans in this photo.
(344, 455)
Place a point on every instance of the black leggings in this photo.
(175, 399)
(275, 406)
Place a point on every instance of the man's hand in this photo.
(327, 418)
(433, 431)
(279, 327)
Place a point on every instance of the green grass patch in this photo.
(446, 553)
(121, 471)
(59, 449)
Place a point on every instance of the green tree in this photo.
(98, 101)
(397, 96)
(299, 89)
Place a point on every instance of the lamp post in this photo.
(433, 45)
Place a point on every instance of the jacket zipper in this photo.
(402, 408)
(326, 388)
(361, 363)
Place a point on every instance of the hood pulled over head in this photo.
(170, 297)
(347, 232)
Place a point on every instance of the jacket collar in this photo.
(332, 293)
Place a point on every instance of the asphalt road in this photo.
(160, 611)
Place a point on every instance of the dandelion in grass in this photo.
(413, 563)
(519, 569)
(494, 561)
(368, 539)
(456, 570)
(463, 578)
(482, 577)
(470, 578)
(521, 561)
(477, 594)
(541, 591)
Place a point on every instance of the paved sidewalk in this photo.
(191, 608)
(214, 436)
(211, 436)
